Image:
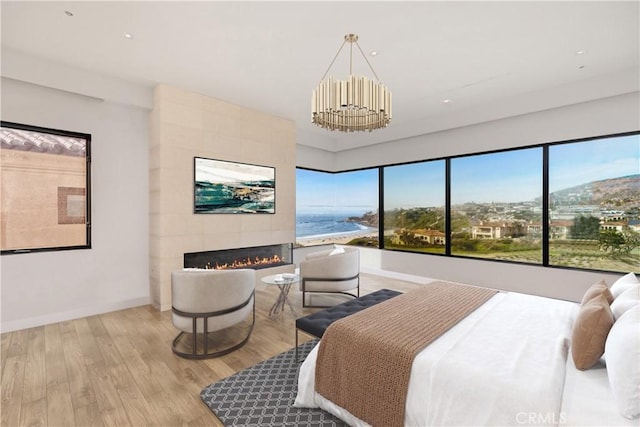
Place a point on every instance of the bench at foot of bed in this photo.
(315, 324)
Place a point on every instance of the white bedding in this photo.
(502, 365)
(588, 400)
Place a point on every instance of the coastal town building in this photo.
(559, 229)
(424, 236)
(613, 226)
(494, 230)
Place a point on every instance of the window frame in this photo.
(542, 194)
(545, 201)
(381, 209)
(378, 171)
(87, 190)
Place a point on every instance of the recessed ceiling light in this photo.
(446, 101)
(580, 52)
(373, 53)
(68, 13)
(128, 35)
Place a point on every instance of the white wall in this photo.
(41, 288)
(601, 117)
(314, 158)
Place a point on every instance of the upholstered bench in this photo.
(315, 324)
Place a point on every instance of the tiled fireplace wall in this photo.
(185, 125)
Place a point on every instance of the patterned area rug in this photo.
(263, 395)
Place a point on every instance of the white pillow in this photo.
(337, 250)
(622, 284)
(622, 351)
(625, 301)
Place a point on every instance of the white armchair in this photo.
(330, 271)
(205, 302)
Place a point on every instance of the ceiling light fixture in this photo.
(128, 36)
(352, 105)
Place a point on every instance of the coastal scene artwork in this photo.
(224, 187)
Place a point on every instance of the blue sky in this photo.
(414, 185)
(595, 160)
(349, 192)
(509, 176)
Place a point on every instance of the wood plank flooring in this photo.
(118, 368)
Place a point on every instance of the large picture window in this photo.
(496, 205)
(594, 204)
(337, 207)
(45, 189)
(414, 207)
(569, 204)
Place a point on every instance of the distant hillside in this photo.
(616, 191)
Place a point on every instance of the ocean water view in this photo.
(326, 225)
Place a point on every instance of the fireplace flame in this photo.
(247, 262)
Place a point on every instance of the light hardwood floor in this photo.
(118, 368)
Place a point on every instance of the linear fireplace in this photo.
(256, 257)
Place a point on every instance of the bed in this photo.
(507, 363)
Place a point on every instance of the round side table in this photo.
(284, 285)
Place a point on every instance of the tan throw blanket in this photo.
(364, 360)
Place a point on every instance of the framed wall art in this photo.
(225, 187)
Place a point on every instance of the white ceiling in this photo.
(491, 59)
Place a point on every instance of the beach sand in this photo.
(340, 239)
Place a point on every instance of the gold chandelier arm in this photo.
(365, 58)
(351, 58)
(334, 60)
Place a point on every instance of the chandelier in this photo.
(352, 105)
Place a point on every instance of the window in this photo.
(414, 207)
(337, 207)
(45, 189)
(567, 204)
(496, 205)
(594, 204)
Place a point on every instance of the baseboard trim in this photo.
(47, 319)
(395, 275)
